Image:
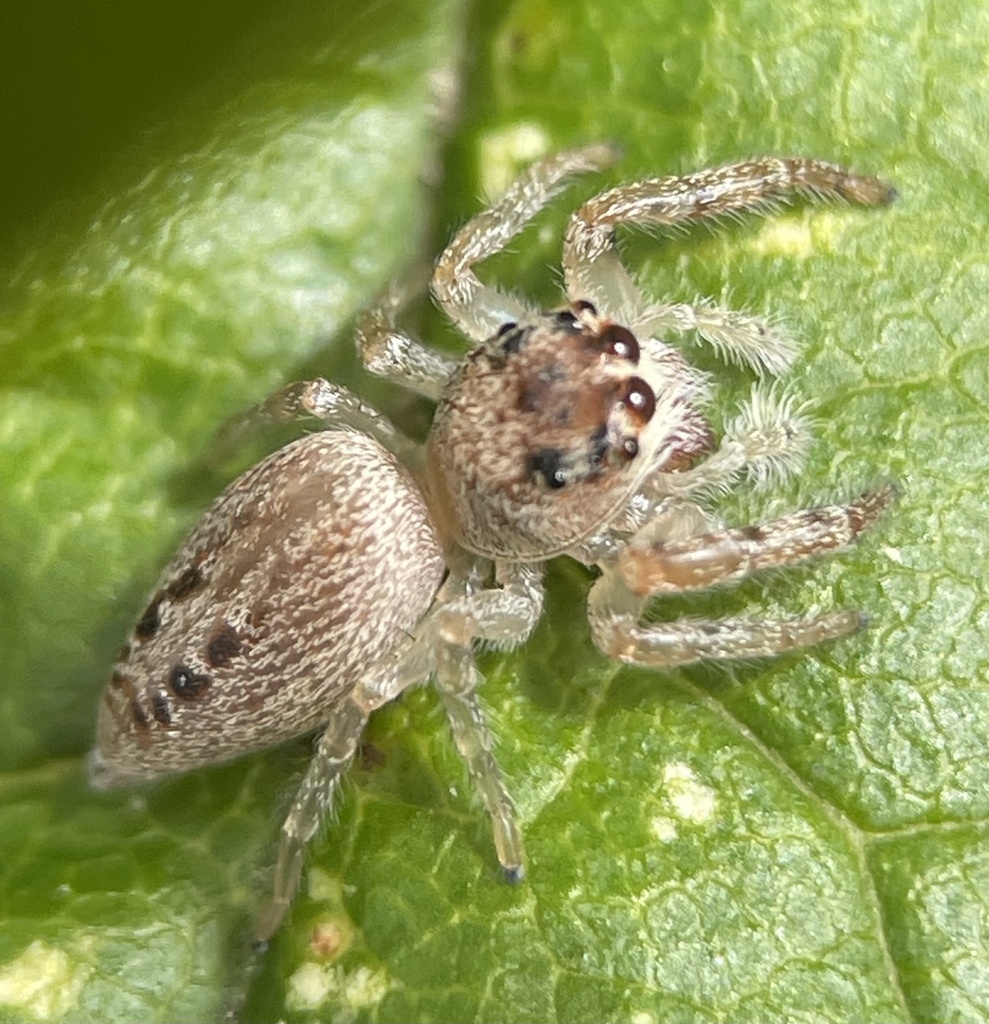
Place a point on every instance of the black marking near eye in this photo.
(148, 623)
(621, 342)
(566, 320)
(586, 307)
(185, 584)
(506, 328)
(599, 446)
(160, 709)
(514, 338)
(547, 463)
(638, 398)
(188, 684)
(223, 646)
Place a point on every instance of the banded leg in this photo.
(652, 569)
(656, 563)
(593, 269)
(477, 309)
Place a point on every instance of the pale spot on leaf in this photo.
(312, 985)
(43, 983)
(691, 800)
(788, 238)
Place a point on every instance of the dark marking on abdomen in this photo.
(185, 584)
(223, 646)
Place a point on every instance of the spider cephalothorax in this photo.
(546, 429)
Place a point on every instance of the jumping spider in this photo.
(353, 563)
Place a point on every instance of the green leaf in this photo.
(796, 840)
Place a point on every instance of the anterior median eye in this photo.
(620, 341)
(639, 399)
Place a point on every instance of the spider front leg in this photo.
(477, 309)
(593, 269)
(650, 566)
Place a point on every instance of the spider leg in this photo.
(478, 309)
(390, 353)
(333, 756)
(768, 439)
(652, 565)
(335, 406)
(504, 616)
(651, 568)
(736, 336)
(593, 269)
(614, 616)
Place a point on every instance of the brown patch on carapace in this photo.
(189, 581)
(223, 646)
(537, 390)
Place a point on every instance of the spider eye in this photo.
(638, 398)
(547, 464)
(621, 342)
(629, 448)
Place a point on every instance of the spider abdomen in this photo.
(311, 567)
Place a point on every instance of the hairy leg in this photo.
(593, 269)
(477, 309)
(652, 567)
(661, 560)
(506, 616)
(335, 406)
